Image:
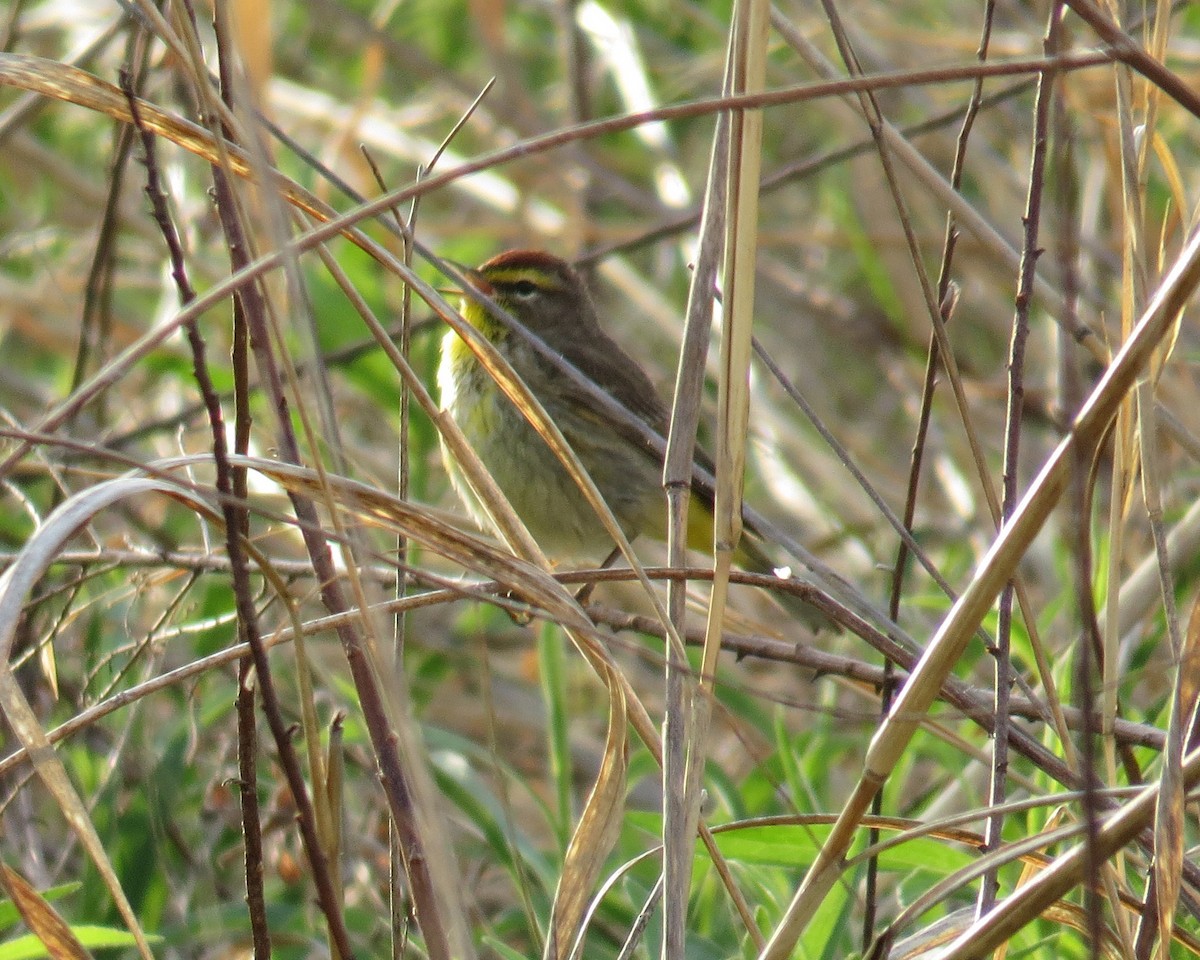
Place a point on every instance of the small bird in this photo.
(550, 299)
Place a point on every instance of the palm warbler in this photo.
(551, 300)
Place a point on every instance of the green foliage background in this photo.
(512, 720)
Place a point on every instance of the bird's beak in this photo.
(476, 279)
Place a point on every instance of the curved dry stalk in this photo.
(16, 583)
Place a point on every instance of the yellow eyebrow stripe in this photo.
(510, 275)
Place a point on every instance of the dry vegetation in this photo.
(970, 274)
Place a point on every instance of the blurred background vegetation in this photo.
(357, 96)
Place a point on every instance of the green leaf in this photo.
(29, 947)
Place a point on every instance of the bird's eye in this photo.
(525, 289)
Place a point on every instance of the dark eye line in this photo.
(524, 288)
